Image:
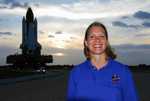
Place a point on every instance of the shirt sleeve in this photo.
(129, 90)
(71, 87)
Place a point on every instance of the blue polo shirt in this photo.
(111, 83)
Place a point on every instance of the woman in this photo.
(100, 77)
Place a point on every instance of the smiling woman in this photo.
(100, 77)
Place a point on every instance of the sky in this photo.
(62, 25)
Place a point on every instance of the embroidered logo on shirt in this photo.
(115, 78)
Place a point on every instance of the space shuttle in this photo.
(31, 49)
(30, 44)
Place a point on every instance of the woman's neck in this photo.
(99, 61)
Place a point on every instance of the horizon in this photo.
(62, 24)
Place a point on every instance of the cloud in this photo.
(69, 55)
(51, 36)
(23, 5)
(124, 17)
(63, 40)
(6, 50)
(8, 1)
(133, 54)
(10, 4)
(18, 4)
(67, 41)
(146, 24)
(124, 25)
(52, 19)
(119, 23)
(79, 9)
(131, 47)
(41, 32)
(2, 7)
(142, 15)
(72, 38)
(58, 32)
(6, 33)
(142, 35)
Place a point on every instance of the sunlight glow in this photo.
(58, 54)
(64, 40)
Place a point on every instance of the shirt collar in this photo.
(95, 69)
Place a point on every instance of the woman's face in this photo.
(96, 41)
